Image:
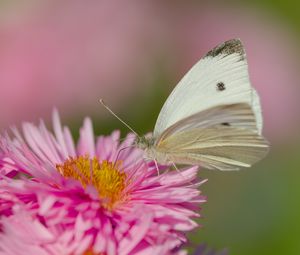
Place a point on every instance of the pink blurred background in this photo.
(69, 54)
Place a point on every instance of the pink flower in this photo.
(93, 198)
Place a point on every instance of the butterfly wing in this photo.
(224, 137)
(219, 78)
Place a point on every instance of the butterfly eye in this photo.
(221, 86)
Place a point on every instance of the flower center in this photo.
(90, 252)
(106, 177)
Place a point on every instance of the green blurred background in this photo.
(68, 54)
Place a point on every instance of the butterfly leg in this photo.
(175, 167)
(156, 165)
(178, 171)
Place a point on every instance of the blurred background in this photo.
(68, 54)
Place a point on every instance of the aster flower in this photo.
(91, 198)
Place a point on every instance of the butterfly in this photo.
(213, 116)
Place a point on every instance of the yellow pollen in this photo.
(106, 177)
(90, 252)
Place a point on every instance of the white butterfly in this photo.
(213, 116)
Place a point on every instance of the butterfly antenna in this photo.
(107, 108)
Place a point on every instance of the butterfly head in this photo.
(147, 144)
(144, 142)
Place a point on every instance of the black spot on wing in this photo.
(227, 48)
(225, 124)
(221, 86)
